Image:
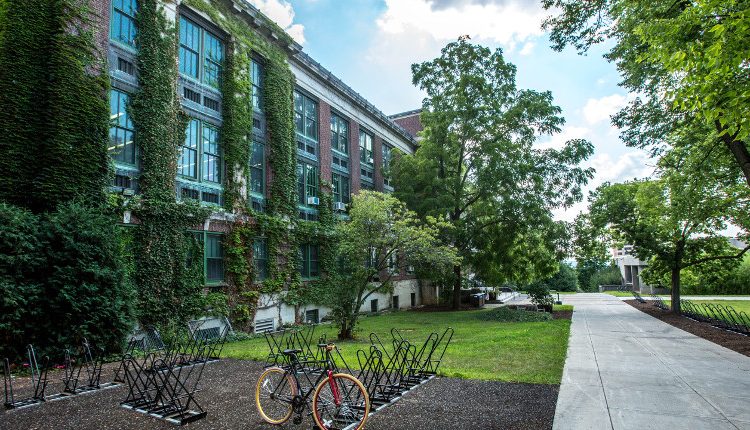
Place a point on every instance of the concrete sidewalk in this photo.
(627, 370)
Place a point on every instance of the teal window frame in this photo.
(123, 17)
(201, 53)
(205, 239)
(202, 151)
(306, 122)
(121, 125)
(258, 169)
(260, 258)
(307, 182)
(339, 135)
(256, 81)
(365, 148)
(341, 188)
(308, 261)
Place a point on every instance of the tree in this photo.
(675, 221)
(590, 251)
(477, 169)
(688, 60)
(381, 239)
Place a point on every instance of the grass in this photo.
(532, 352)
(562, 307)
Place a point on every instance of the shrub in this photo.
(62, 278)
(610, 275)
(505, 314)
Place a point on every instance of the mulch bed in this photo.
(734, 341)
(562, 315)
(228, 397)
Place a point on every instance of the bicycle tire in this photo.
(288, 389)
(355, 406)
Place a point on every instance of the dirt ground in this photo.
(734, 341)
(227, 395)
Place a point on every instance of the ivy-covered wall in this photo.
(54, 117)
(279, 226)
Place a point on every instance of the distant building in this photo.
(409, 121)
(630, 269)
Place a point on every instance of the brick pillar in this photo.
(377, 155)
(354, 156)
(101, 26)
(324, 140)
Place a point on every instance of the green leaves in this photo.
(477, 167)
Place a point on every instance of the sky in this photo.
(371, 45)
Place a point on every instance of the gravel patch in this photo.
(730, 340)
(228, 397)
(449, 403)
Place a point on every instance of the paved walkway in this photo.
(734, 298)
(627, 370)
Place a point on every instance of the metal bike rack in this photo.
(38, 381)
(82, 373)
(724, 317)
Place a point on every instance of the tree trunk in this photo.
(676, 291)
(457, 288)
(738, 150)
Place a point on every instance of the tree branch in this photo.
(717, 257)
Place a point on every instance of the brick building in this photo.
(341, 137)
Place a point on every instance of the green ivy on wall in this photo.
(54, 117)
(169, 263)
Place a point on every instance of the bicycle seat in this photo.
(291, 351)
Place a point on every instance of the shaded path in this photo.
(628, 370)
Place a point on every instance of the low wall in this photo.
(603, 288)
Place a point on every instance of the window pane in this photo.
(211, 156)
(189, 47)
(257, 167)
(122, 27)
(121, 145)
(214, 258)
(257, 82)
(260, 259)
(187, 164)
(312, 181)
(313, 260)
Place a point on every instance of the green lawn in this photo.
(513, 352)
(738, 305)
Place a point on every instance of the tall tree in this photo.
(678, 220)
(687, 60)
(477, 167)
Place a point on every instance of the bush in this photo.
(505, 314)
(61, 279)
(607, 276)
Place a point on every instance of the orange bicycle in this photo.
(339, 400)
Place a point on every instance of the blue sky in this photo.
(370, 45)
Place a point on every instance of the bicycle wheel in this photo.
(352, 408)
(273, 395)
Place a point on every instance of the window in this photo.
(394, 262)
(386, 165)
(367, 186)
(340, 188)
(256, 75)
(257, 168)
(339, 134)
(214, 253)
(413, 299)
(308, 261)
(374, 305)
(122, 26)
(260, 259)
(201, 138)
(306, 122)
(121, 131)
(312, 316)
(395, 302)
(365, 148)
(201, 53)
(307, 182)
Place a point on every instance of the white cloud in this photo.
(568, 132)
(505, 22)
(627, 166)
(601, 109)
(282, 13)
(527, 49)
